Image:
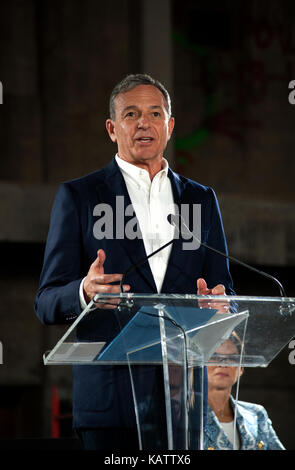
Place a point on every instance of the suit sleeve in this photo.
(57, 299)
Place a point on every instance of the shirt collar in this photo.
(135, 172)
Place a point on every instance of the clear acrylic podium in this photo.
(179, 335)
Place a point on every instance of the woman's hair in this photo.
(234, 337)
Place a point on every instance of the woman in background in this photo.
(253, 430)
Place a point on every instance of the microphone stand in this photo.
(142, 261)
(171, 219)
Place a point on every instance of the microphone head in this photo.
(173, 219)
(176, 221)
(181, 228)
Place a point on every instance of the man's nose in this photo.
(143, 122)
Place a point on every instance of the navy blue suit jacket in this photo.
(102, 395)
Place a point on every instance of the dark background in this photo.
(227, 65)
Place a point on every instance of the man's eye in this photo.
(156, 113)
(130, 114)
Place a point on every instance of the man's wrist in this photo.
(83, 302)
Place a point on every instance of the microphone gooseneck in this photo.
(177, 220)
(140, 262)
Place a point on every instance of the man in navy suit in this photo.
(84, 257)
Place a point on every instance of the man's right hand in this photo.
(97, 282)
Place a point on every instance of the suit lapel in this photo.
(112, 190)
(247, 439)
(215, 434)
(177, 252)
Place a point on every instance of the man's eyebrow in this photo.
(133, 106)
(156, 106)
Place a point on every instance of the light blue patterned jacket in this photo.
(254, 427)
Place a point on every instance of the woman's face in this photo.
(224, 377)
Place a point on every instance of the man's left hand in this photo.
(202, 288)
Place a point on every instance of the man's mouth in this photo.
(144, 139)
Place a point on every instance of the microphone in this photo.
(142, 261)
(177, 220)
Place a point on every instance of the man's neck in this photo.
(152, 167)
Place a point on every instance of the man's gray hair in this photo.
(132, 81)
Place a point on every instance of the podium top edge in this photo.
(141, 296)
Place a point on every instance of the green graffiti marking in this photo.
(201, 134)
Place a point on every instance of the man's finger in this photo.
(97, 264)
(106, 278)
(218, 290)
(202, 287)
(110, 303)
(109, 288)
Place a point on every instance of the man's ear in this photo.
(171, 124)
(110, 125)
(241, 371)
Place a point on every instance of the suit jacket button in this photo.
(260, 445)
(211, 448)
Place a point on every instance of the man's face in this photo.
(141, 127)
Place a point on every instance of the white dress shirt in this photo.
(152, 201)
